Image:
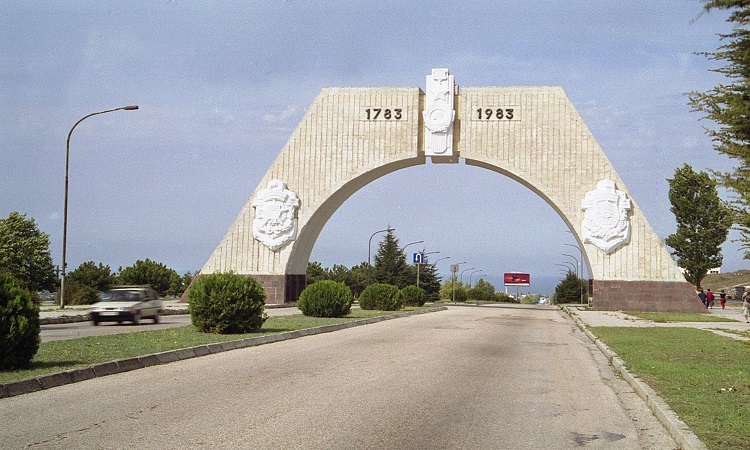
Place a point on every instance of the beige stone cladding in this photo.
(350, 137)
(335, 151)
(550, 150)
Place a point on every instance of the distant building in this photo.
(713, 271)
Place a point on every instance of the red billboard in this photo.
(516, 279)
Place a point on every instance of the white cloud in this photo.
(289, 112)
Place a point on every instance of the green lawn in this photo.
(705, 378)
(58, 356)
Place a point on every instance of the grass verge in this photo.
(58, 356)
(661, 317)
(705, 378)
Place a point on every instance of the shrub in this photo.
(383, 297)
(504, 298)
(413, 296)
(325, 298)
(227, 303)
(481, 294)
(80, 294)
(19, 325)
(460, 295)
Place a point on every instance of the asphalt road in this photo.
(470, 377)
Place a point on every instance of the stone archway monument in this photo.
(349, 137)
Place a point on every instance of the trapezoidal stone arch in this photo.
(350, 137)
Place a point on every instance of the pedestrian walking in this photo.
(702, 296)
(746, 304)
(722, 298)
(710, 298)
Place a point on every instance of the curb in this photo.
(29, 385)
(681, 433)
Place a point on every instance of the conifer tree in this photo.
(429, 280)
(570, 289)
(728, 105)
(390, 263)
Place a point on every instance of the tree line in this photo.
(390, 267)
(25, 255)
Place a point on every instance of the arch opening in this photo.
(496, 227)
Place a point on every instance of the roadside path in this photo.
(620, 319)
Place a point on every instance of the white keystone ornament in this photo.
(439, 114)
(606, 224)
(275, 222)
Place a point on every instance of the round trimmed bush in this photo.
(19, 325)
(326, 298)
(413, 296)
(227, 303)
(380, 296)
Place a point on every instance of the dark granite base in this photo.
(282, 289)
(657, 296)
(279, 289)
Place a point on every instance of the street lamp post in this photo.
(471, 274)
(403, 249)
(570, 268)
(453, 279)
(576, 260)
(65, 213)
(578, 265)
(581, 263)
(369, 247)
(462, 273)
(438, 260)
(581, 254)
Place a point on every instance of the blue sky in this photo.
(221, 86)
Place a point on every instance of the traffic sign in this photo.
(419, 258)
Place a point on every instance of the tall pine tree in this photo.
(390, 263)
(728, 105)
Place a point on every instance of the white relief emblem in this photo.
(439, 114)
(275, 221)
(605, 220)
